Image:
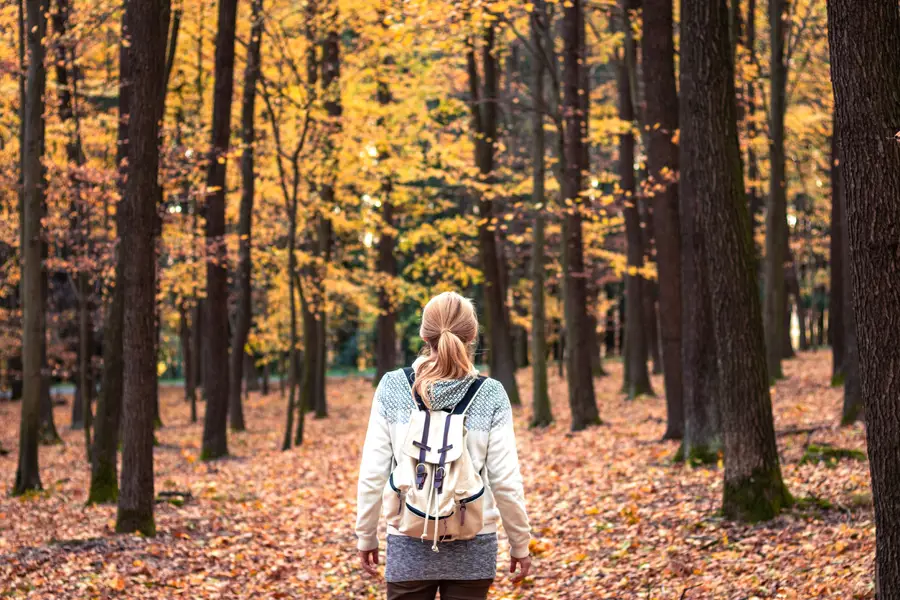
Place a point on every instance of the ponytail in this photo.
(449, 328)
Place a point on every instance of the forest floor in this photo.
(612, 516)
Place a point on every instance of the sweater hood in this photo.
(448, 392)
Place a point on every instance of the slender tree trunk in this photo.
(658, 56)
(104, 476)
(149, 23)
(184, 329)
(582, 400)
(292, 352)
(712, 172)
(197, 340)
(34, 316)
(637, 376)
(776, 205)
(542, 414)
(853, 409)
(248, 179)
(386, 325)
(485, 126)
(865, 67)
(216, 381)
(837, 312)
(757, 203)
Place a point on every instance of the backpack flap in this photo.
(430, 431)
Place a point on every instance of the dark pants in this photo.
(476, 589)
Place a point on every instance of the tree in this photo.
(865, 68)
(33, 298)
(215, 380)
(104, 457)
(541, 409)
(148, 23)
(248, 177)
(836, 306)
(637, 376)
(661, 115)
(776, 205)
(853, 409)
(579, 376)
(483, 107)
(711, 169)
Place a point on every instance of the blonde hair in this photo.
(450, 330)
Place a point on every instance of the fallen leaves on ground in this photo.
(612, 516)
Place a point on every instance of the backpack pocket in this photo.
(394, 502)
(468, 517)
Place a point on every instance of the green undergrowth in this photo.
(830, 455)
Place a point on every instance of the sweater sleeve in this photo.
(374, 470)
(505, 478)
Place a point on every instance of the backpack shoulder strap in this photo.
(463, 405)
(411, 379)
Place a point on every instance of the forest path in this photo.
(613, 518)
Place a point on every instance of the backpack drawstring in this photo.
(427, 510)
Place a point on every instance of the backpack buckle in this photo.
(421, 474)
(439, 477)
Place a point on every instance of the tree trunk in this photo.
(756, 201)
(637, 376)
(658, 56)
(187, 355)
(712, 173)
(386, 325)
(582, 400)
(485, 127)
(865, 62)
(34, 314)
(836, 306)
(148, 22)
(542, 414)
(248, 179)
(197, 340)
(853, 409)
(292, 352)
(216, 381)
(104, 477)
(776, 205)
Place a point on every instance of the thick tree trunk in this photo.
(148, 22)
(104, 468)
(485, 127)
(34, 314)
(865, 66)
(637, 376)
(582, 400)
(712, 174)
(542, 414)
(776, 205)
(837, 312)
(215, 380)
(658, 56)
(245, 233)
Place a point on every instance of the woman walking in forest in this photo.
(440, 460)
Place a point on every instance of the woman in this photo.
(442, 379)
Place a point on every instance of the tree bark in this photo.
(582, 400)
(712, 172)
(104, 477)
(637, 376)
(542, 414)
(216, 380)
(658, 56)
(776, 205)
(483, 105)
(148, 22)
(185, 333)
(245, 233)
(386, 324)
(836, 307)
(865, 68)
(34, 313)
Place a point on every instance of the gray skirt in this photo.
(411, 559)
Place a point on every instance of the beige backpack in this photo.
(434, 491)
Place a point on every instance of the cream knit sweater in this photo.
(491, 442)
